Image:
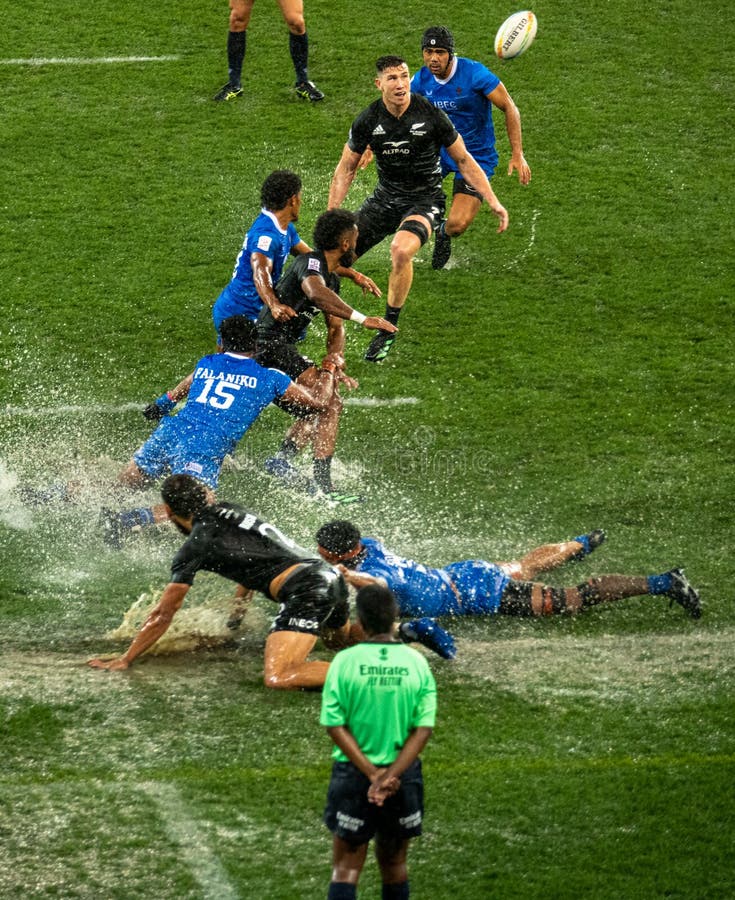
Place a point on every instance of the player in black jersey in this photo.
(311, 286)
(405, 132)
(235, 543)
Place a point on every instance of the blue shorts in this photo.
(227, 305)
(173, 450)
(480, 585)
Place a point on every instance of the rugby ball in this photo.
(516, 34)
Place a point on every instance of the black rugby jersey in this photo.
(290, 293)
(407, 148)
(235, 543)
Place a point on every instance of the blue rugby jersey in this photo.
(463, 97)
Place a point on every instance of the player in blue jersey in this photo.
(466, 90)
(477, 587)
(228, 392)
(405, 133)
(267, 245)
(298, 45)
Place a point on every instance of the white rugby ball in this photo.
(516, 34)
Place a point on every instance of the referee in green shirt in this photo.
(378, 706)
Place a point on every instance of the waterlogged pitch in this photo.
(573, 373)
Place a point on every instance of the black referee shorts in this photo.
(350, 816)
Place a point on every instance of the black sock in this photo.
(323, 473)
(398, 891)
(392, 313)
(341, 890)
(236, 42)
(298, 44)
(288, 449)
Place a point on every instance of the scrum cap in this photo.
(438, 37)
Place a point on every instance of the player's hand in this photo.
(281, 312)
(502, 213)
(377, 323)
(382, 788)
(519, 164)
(367, 285)
(118, 664)
(333, 359)
(350, 383)
(153, 412)
(365, 159)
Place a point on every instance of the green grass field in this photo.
(576, 372)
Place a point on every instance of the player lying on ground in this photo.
(233, 542)
(476, 587)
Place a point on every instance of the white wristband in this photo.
(358, 317)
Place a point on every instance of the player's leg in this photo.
(462, 213)
(523, 598)
(313, 601)
(286, 663)
(391, 852)
(551, 556)
(348, 860)
(413, 232)
(466, 203)
(240, 11)
(321, 431)
(298, 45)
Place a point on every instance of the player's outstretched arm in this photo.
(167, 402)
(151, 630)
(367, 285)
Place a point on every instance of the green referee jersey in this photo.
(381, 692)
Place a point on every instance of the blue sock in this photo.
(340, 890)
(584, 540)
(659, 584)
(132, 518)
(395, 891)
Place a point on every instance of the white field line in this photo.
(84, 61)
(529, 246)
(186, 833)
(32, 412)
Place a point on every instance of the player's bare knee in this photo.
(455, 227)
(295, 23)
(278, 680)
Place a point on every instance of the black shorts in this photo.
(282, 356)
(460, 186)
(350, 816)
(312, 599)
(286, 358)
(380, 216)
